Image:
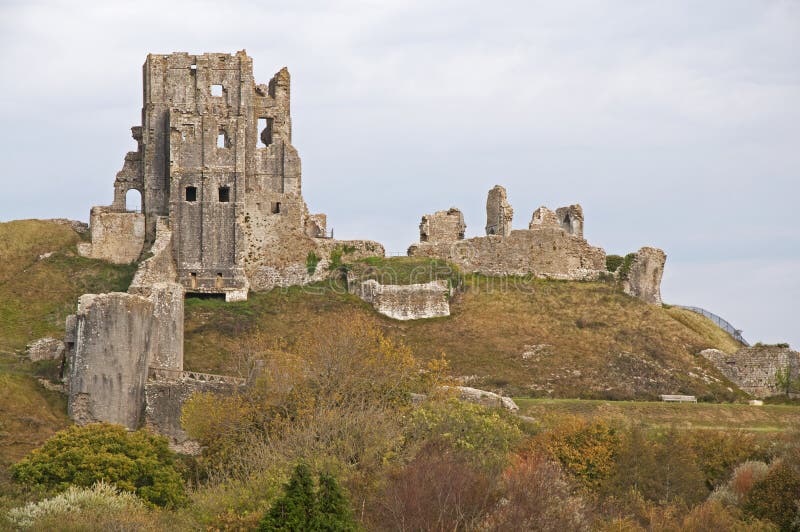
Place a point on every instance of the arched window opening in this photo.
(133, 200)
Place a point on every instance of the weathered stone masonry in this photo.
(552, 246)
(222, 212)
(214, 156)
(753, 369)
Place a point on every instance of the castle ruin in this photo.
(223, 213)
(552, 247)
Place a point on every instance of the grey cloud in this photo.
(675, 124)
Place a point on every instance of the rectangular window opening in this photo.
(216, 90)
(224, 194)
(276, 207)
(191, 193)
(193, 279)
(222, 139)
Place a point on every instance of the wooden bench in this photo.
(679, 398)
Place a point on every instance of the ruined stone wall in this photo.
(406, 302)
(753, 369)
(115, 339)
(643, 280)
(549, 252)
(117, 237)
(292, 270)
(442, 226)
(207, 139)
(165, 398)
(571, 219)
(108, 367)
(499, 213)
(543, 218)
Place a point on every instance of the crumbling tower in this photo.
(214, 155)
(499, 213)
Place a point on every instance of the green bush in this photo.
(613, 262)
(138, 462)
(485, 435)
(625, 267)
(311, 262)
(301, 508)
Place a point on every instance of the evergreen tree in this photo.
(333, 509)
(294, 511)
(302, 509)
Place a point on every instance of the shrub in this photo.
(660, 470)
(485, 435)
(613, 262)
(100, 496)
(336, 258)
(585, 449)
(776, 496)
(718, 452)
(301, 508)
(311, 262)
(440, 489)
(537, 496)
(745, 476)
(625, 267)
(711, 516)
(138, 462)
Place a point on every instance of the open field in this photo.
(696, 416)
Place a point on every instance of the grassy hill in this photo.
(41, 279)
(522, 337)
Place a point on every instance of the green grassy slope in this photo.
(36, 295)
(591, 340)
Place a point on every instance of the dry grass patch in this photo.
(521, 337)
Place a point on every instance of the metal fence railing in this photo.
(722, 323)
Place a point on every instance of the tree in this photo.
(138, 462)
(538, 496)
(302, 509)
(661, 470)
(333, 509)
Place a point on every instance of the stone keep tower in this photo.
(215, 156)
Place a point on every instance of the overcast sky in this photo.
(675, 124)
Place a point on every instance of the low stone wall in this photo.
(406, 302)
(267, 277)
(45, 349)
(753, 369)
(547, 252)
(165, 399)
(117, 237)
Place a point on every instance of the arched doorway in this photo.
(133, 200)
